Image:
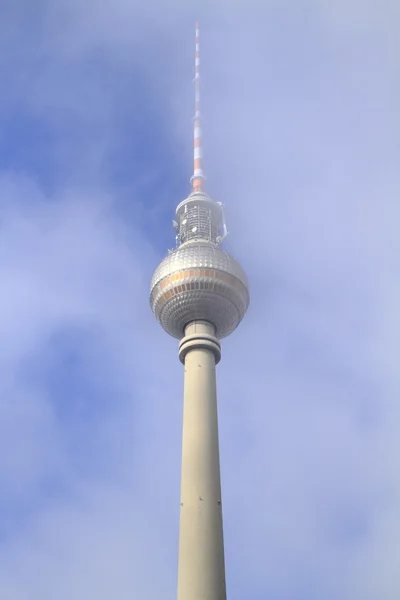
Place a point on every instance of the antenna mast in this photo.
(198, 178)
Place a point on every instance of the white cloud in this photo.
(101, 542)
(312, 181)
(300, 133)
(69, 265)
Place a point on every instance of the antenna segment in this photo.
(198, 177)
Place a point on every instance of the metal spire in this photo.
(198, 178)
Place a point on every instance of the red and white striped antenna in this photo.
(198, 178)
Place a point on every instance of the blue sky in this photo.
(302, 137)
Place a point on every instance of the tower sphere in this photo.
(199, 281)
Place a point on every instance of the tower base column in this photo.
(201, 569)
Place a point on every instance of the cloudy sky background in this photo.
(302, 133)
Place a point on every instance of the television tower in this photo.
(199, 294)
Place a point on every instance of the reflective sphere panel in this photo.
(199, 281)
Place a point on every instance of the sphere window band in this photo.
(231, 279)
(216, 287)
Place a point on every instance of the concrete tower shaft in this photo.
(201, 573)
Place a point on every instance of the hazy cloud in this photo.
(301, 134)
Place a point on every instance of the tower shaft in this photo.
(201, 569)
